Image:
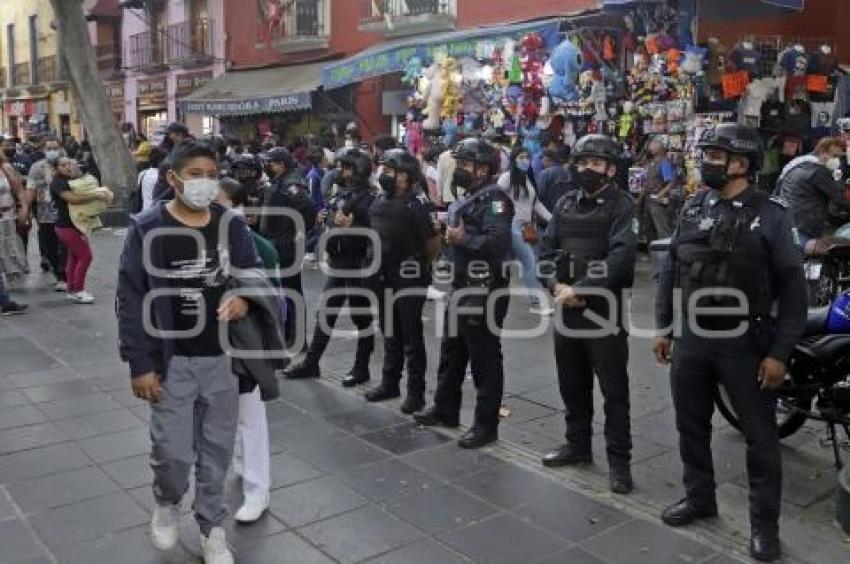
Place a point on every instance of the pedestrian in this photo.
(313, 178)
(148, 177)
(738, 243)
(479, 233)
(77, 246)
(659, 190)
(251, 448)
(53, 254)
(401, 218)
(348, 209)
(555, 181)
(187, 380)
(590, 246)
(142, 153)
(12, 253)
(519, 184)
(175, 134)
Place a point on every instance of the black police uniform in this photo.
(593, 239)
(487, 222)
(746, 243)
(403, 224)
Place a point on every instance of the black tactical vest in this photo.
(393, 219)
(584, 224)
(724, 250)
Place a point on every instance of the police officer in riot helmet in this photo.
(287, 191)
(734, 250)
(401, 218)
(348, 208)
(587, 262)
(479, 236)
(248, 170)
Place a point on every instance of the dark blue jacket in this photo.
(146, 353)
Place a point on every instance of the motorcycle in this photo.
(827, 268)
(817, 385)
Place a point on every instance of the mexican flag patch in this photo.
(498, 207)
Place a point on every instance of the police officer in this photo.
(591, 243)
(401, 217)
(287, 191)
(740, 243)
(349, 207)
(479, 236)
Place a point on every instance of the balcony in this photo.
(108, 59)
(2, 77)
(21, 75)
(49, 70)
(398, 18)
(303, 26)
(146, 51)
(190, 43)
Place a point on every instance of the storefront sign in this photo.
(19, 108)
(189, 82)
(152, 93)
(388, 60)
(271, 104)
(115, 93)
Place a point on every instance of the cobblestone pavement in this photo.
(356, 483)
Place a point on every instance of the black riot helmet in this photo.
(599, 146)
(246, 168)
(737, 140)
(477, 151)
(281, 155)
(402, 161)
(359, 160)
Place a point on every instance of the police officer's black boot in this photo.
(415, 399)
(764, 544)
(432, 417)
(567, 455)
(478, 437)
(685, 511)
(307, 368)
(620, 478)
(359, 374)
(384, 391)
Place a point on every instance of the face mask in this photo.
(462, 178)
(387, 183)
(349, 143)
(591, 181)
(833, 164)
(10, 153)
(52, 155)
(523, 164)
(714, 175)
(198, 193)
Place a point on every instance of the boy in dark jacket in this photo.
(171, 300)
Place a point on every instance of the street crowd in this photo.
(220, 230)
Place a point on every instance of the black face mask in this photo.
(462, 178)
(714, 175)
(10, 153)
(591, 181)
(387, 183)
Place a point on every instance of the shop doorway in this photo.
(149, 121)
(64, 126)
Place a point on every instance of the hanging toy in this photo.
(412, 71)
(515, 71)
(432, 94)
(531, 139)
(449, 131)
(451, 92)
(565, 62)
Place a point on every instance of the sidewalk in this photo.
(354, 482)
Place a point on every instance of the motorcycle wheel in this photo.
(788, 418)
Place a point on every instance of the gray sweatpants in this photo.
(195, 423)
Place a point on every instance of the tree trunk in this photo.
(116, 166)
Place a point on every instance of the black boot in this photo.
(433, 417)
(413, 402)
(567, 455)
(303, 370)
(620, 478)
(765, 545)
(382, 392)
(478, 437)
(356, 376)
(684, 512)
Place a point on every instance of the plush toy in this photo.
(413, 140)
(432, 94)
(470, 71)
(694, 58)
(673, 56)
(451, 91)
(412, 71)
(469, 122)
(531, 139)
(565, 62)
(496, 117)
(515, 70)
(449, 131)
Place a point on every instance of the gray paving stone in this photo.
(724, 559)
(243, 537)
(104, 423)
(287, 469)
(450, 462)
(62, 390)
(340, 454)
(405, 438)
(42, 376)
(527, 439)
(424, 551)
(118, 445)
(642, 542)
(88, 520)
(508, 486)
(133, 546)
(130, 472)
(29, 437)
(12, 399)
(502, 539)
(17, 543)
(522, 410)
(282, 549)
(573, 555)
(41, 461)
(388, 479)
(61, 489)
(311, 501)
(20, 355)
(359, 534)
(366, 419)
(439, 509)
(73, 407)
(319, 398)
(20, 416)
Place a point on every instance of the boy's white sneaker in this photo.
(252, 508)
(83, 298)
(164, 531)
(214, 548)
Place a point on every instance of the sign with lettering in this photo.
(189, 82)
(246, 106)
(152, 93)
(115, 93)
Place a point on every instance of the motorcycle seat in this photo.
(826, 349)
(828, 246)
(816, 321)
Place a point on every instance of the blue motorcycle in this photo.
(817, 385)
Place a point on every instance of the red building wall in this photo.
(484, 12)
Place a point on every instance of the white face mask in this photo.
(198, 193)
(834, 163)
(349, 143)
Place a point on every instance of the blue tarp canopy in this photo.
(388, 58)
(790, 4)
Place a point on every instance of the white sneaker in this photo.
(83, 298)
(71, 296)
(435, 294)
(252, 508)
(164, 526)
(61, 286)
(214, 548)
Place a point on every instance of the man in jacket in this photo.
(38, 186)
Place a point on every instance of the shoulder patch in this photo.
(779, 201)
(422, 197)
(498, 207)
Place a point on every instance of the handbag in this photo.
(530, 234)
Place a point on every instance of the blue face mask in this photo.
(523, 164)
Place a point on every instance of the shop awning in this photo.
(790, 4)
(262, 91)
(391, 57)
